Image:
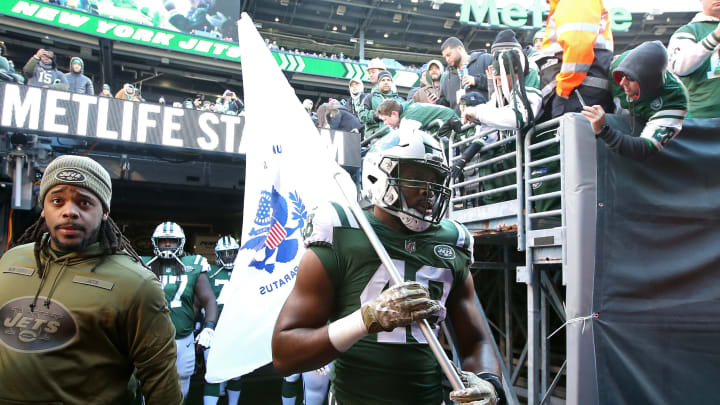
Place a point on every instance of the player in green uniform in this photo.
(643, 88)
(695, 56)
(184, 279)
(78, 311)
(380, 355)
(226, 250)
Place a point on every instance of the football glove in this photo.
(467, 156)
(205, 337)
(476, 392)
(399, 305)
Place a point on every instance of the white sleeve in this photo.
(660, 131)
(504, 117)
(687, 53)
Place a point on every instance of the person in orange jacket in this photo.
(575, 55)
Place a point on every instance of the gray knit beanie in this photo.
(78, 171)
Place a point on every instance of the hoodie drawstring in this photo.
(42, 283)
(55, 281)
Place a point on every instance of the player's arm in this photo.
(300, 341)
(206, 298)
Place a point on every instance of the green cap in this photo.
(78, 171)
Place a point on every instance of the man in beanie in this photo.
(79, 311)
(368, 111)
(357, 95)
(77, 81)
(643, 88)
(106, 91)
(41, 70)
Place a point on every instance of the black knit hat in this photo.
(505, 39)
(383, 74)
(472, 98)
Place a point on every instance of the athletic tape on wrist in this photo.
(344, 332)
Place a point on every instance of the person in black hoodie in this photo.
(334, 115)
(643, 88)
(465, 73)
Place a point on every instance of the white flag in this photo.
(289, 171)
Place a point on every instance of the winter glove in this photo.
(399, 305)
(467, 156)
(205, 337)
(453, 123)
(477, 391)
(377, 118)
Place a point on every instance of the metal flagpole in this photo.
(434, 344)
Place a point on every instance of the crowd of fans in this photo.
(42, 70)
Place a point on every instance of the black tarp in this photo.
(657, 273)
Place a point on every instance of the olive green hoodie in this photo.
(75, 335)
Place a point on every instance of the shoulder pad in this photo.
(463, 237)
(196, 262)
(323, 219)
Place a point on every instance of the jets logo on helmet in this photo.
(226, 250)
(168, 230)
(383, 184)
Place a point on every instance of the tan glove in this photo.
(476, 392)
(399, 305)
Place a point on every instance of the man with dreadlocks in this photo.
(513, 105)
(185, 280)
(78, 311)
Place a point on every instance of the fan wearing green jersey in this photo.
(184, 280)
(344, 306)
(643, 88)
(226, 250)
(695, 56)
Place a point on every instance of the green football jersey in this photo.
(180, 290)
(394, 367)
(662, 114)
(703, 84)
(219, 277)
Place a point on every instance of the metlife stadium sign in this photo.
(117, 30)
(61, 113)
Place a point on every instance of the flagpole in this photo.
(430, 337)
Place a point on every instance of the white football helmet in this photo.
(226, 250)
(168, 230)
(383, 184)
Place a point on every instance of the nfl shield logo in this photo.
(410, 246)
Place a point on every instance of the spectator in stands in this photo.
(538, 39)
(197, 102)
(77, 81)
(436, 120)
(375, 66)
(430, 80)
(128, 92)
(644, 89)
(41, 70)
(106, 91)
(357, 94)
(379, 93)
(334, 115)
(513, 105)
(231, 103)
(188, 104)
(575, 54)
(465, 72)
(695, 57)
(308, 105)
(161, 100)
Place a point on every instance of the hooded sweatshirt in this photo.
(450, 83)
(422, 95)
(661, 105)
(97, 317)
(78, 82)
(43, 75)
